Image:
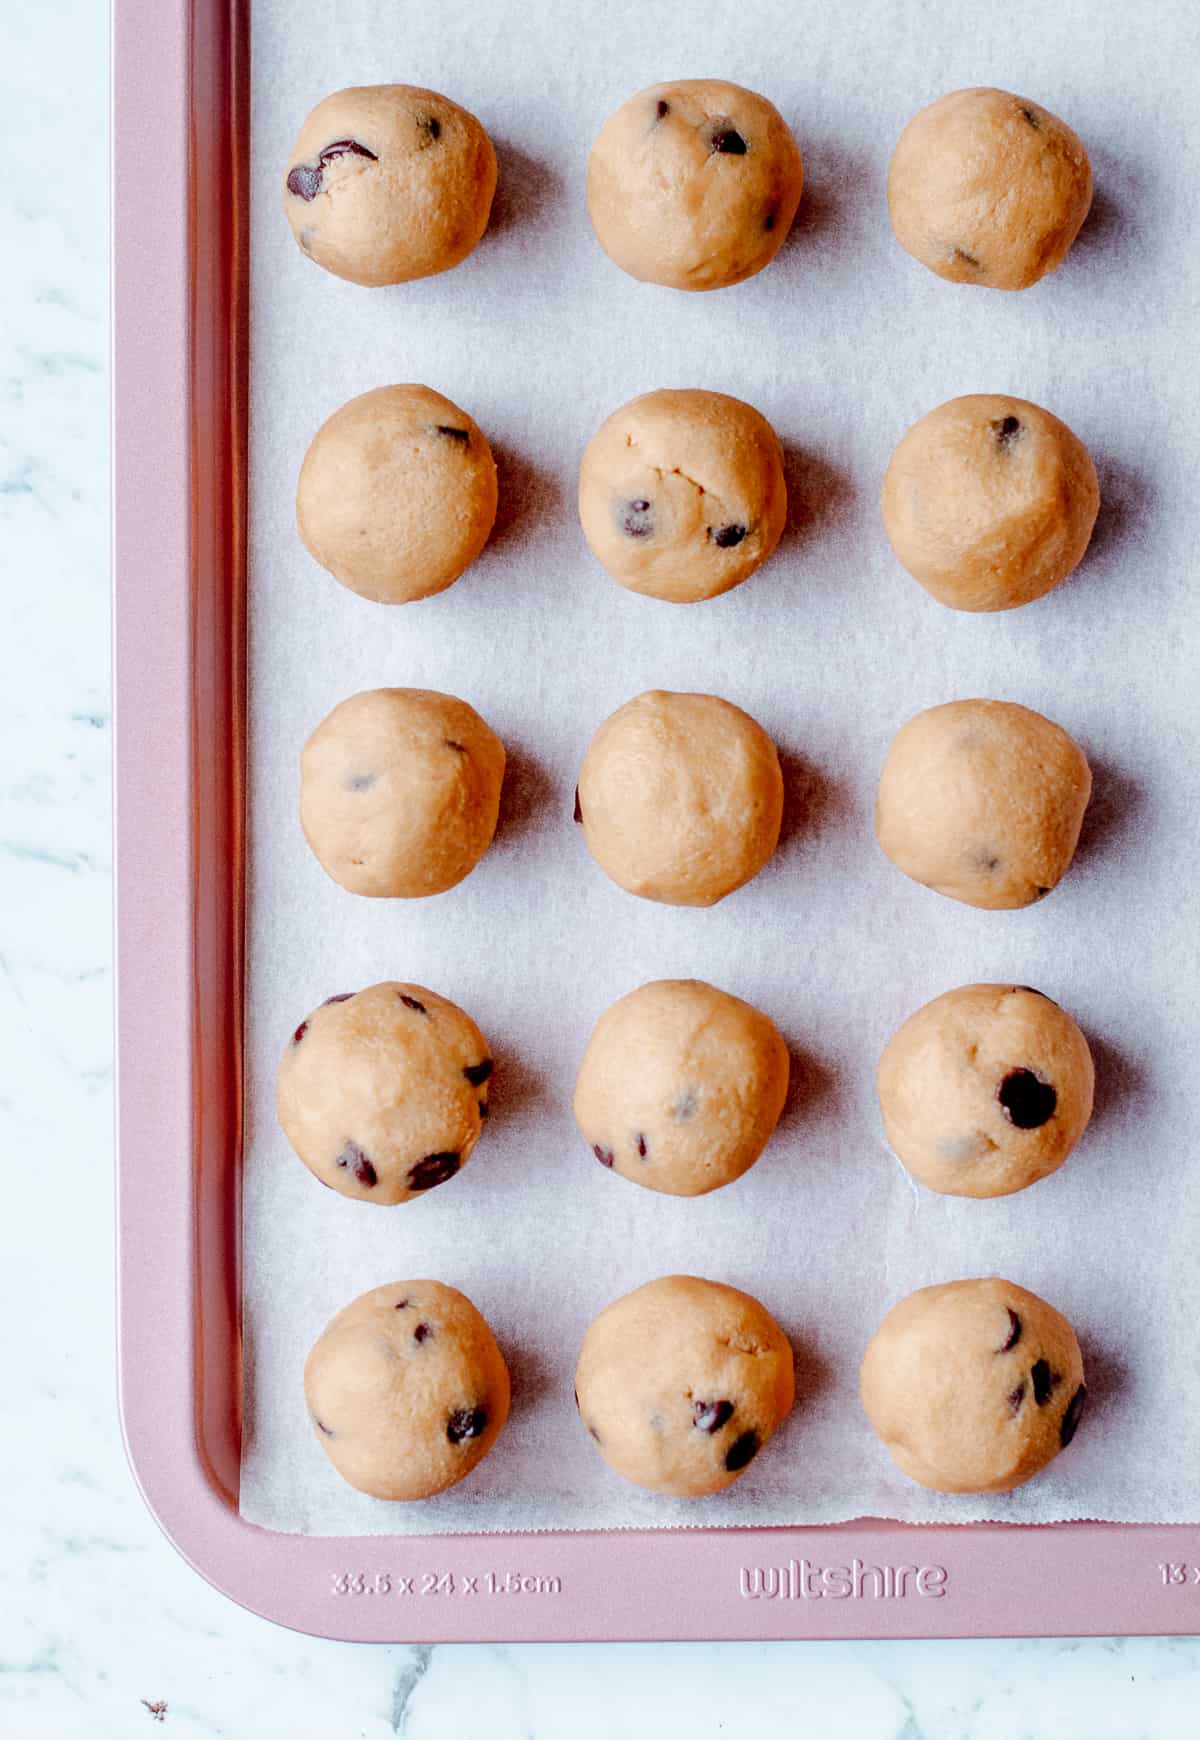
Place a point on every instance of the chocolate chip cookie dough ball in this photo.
(407, 1390)
(983, 801)
(388, 183)
(988, 188)
(682, 1382)
(397, 494)
(680, 797)
(989, 502)
(694, 184)
(681, 494)
(400, 792)
(681, 1086)
(383, 1092)
(973, 1386)
(985, 1090)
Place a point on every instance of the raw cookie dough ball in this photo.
(406, 1389)
(383, 1092)
(985, 1090)
(397, 494)
(694, 184)
(400, 791)
(681, 1086)
(973, 1386)
(983, 801)
(682, 1382)
(681, 797)
(388, 183)
(681, 494)
(990, 502)
(988, 188)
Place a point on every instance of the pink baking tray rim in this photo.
(180, 82)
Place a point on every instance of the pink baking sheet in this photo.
(179, 380)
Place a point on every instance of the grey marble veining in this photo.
(99, 1619)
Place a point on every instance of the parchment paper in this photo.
(842, 343)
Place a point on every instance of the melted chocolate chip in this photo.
(662, 109)
(711, 1416)
(452, 434)
(423, 1331)
(298, 1035)
(641, 1147)
(967, 259)
(322, 1427)
(604, 1155)
(1016, 1397)
(1005, 431)
(338, 997)
(1028, 1101)
(1042, 1380)
(635, 518)
(477, 1073)
(742, 1451)
(578, 809)
(466, 1423)
(306, 178)
(1028, 115)
(1014, 1332)
(434, 1169)
(1070, 1420)
(729, 143)
(353, 1159)
(411, 1003)
(360, 781)
(725, 537)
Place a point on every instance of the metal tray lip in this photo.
(165, 54)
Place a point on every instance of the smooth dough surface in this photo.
(988, 188)
(974, 1386)
(397, 494)
(982, 801)
(682, 494)
(694, 184)
(681, 1086)
(400, 791)
(985, 1090)
(989, 502)
(680, 797)
(681, 1383)
(406, 1389)
(389, 182)
(383, 1092)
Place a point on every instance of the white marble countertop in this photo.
(100, 1621)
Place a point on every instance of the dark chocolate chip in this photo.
(477, 1073)
(339, 997)
(641, 1147)
(1042, 1380)
(742, 1451)
(1070, 1420)
(431, 127)
(711, 1416)
(662, 108)
(402, 1305)
(1028, 1101)
(770, 220)
(635, 518)
(361, 781)
(447, 429)
(298, 1035)
(578, 809)
(725, 537)
(1006, 430)
(433, 1169)
(423, 1331)
(1016, 1397)
(466, 1423)
(1014, 1332)
(411, 1003)
(1028, 115)
(328, 1430)
(353, 1159)
(305, 179)
(460, 748)
(967, 259)
(483, 1108)
(729, 143)
(604, 1155)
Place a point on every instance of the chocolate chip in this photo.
(339, 997)
(477, 1073)
(447, 429)
(1070, 1420)
(1006, 430)
(641, 1147)
(967, 259)
(711, 1416)
(411, 1003)
(729, 143)
(1042, 1380)
(483, 1108)
(604, 1155)
(578, 809)
(1027, 1100)
(1016, 1397)
(431, 127)
(770, 220)
(1028, 115)
(423, 1331)
(1041, 892)
(434, 1169)
(1014, 1332)
(466, 1423)
(361, 781)
(662, 108)
(322, 1427)
(460, 748)
(635, 518)
(298, 1035)
(305, 179)
(742, 1451)
(725, 537)
(401, 1305)
(353, 1159)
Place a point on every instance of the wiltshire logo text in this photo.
(802, 1580)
